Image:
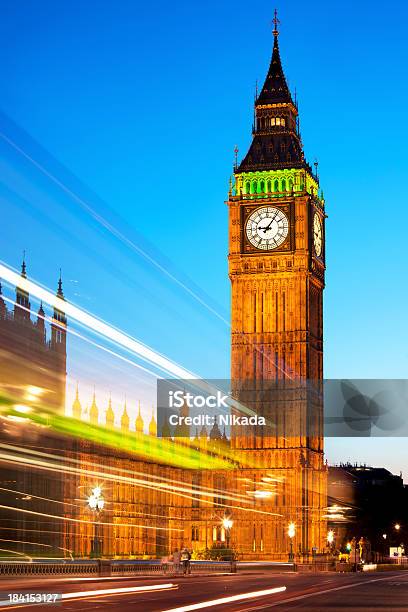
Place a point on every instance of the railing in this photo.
(110, 567)
(24, 569)
(156, 567)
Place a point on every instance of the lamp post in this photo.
(330, 540)
(384, 535)
(227, 523)
(96, 502)
(291, 534)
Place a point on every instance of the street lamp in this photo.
(227, 523)
(96, 503)
(397, 526)
(330, 539)
(291, 534)
(384, 535)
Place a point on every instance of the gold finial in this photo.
(275, 22)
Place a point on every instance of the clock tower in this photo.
(276, 268)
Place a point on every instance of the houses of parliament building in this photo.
(264, 479)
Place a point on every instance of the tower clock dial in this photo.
(317, 235)
(267, 228)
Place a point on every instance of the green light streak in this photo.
(160, 450)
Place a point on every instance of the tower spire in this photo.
(275, 90)
(60, 293)
(94, 411)
(41, 322)
(110, 415)
(124, 421)
(276, 140)
(23, 267)
(275, 22)
(153, 425)
(22, 306)
(76, 406)
(139, 422)
(58, 327)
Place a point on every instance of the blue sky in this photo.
(136, 107)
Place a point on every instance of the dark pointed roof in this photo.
(278, 150)
(60, 292)
(23, 267)
(276, 142)
(275, 90)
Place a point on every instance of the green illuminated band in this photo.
(271, 183)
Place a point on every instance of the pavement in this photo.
(331, 592)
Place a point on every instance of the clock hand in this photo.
(265, 229)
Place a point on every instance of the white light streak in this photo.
(115, 232)
(224, 600)
(94, 324)
(73, 520)
(119, 591)
(55, 467)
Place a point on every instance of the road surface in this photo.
(382, 592)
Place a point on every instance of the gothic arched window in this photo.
(255, 187)
(262, 187)
(283, 185)
(247, 187)
(269, 187)
(276, 185)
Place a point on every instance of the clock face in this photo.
(317, 235)
(267, 227)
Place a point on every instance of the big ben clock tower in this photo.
(276, 268)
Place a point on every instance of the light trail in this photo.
(120, 591)
(115, 477)
(75, 333)
(230, 599)
(106, 510)
(55, 501)
(42, 531)
(129, 480)
(111, 334)
(73, 520)
(153, 478)
(96, 325)
(160, 450)
(38, 544)
(115, 232)
(13, 552)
